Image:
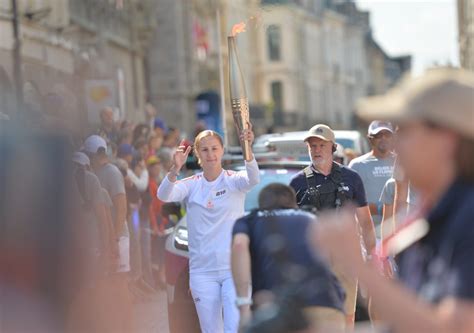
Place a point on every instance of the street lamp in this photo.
(17, 72)
(221, 73)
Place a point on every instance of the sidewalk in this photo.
(152, 316)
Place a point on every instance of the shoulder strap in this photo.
(310, 185)
(336, 178)
(336, 174)
(308, 172)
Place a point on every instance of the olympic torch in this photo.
(238, 95)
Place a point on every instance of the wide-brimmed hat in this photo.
(443, 97)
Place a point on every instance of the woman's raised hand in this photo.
(180, 156)
(247, 134)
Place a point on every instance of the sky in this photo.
(426, 29)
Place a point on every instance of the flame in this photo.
(238, 28)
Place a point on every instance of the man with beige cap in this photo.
(329, 186)
(435, 114)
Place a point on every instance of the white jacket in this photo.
(211, 210)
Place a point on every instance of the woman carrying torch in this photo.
(214, 199)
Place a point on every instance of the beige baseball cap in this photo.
(321, 131)
(442, 96)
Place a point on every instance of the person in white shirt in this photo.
(214, 200)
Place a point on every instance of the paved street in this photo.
(151, 316)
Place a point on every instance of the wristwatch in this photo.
(241, 301)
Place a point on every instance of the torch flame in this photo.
(238, 28)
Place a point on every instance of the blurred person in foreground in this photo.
(40, 240)
(435, 113)
(328, 186)
(214, 199)
(260, 266)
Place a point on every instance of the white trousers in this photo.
(123, 261)
(214, 298)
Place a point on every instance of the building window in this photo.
(277, 95)
(276, 88)
(274, 42)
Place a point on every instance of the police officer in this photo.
(326, 185)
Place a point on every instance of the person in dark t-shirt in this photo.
(328, 186)
(278, 221)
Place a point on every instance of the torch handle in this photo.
(240, 113)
